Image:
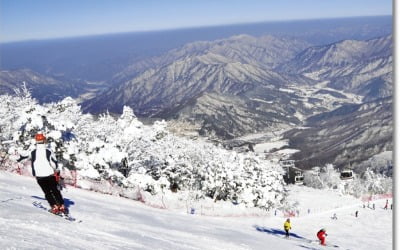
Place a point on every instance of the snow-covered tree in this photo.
(369, 182)
(124, 153)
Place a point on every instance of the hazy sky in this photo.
(29, 19)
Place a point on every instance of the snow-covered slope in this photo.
(110, 222)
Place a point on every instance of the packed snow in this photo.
(112, 222)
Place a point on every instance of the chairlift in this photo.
(346, 174)
(298, 178)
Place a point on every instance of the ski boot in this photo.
(63, 209)
(55, 210)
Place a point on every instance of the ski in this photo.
(64, 216)
(326, 244)
(299, 239)
(332, 245)
(309, 241)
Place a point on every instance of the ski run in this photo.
(112, 222)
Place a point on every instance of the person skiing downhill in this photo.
(386, 205)
(321, 236)
(45, 169)
(287, 226)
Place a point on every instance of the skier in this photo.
(334, 217)
(321, 236)
(287, 226)
(386, 205)
(45, 169)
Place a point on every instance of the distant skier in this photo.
(287, 226)
(386, 205)
(334, 217)
(321, 236)
(45, 169)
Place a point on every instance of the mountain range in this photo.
(243, 84)
(232, 87)
(360, 67)
(99, 58)
(239, 66)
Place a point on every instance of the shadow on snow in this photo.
(67, 202)
(277, 232)
(292, 236)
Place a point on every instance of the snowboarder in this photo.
(321, 236)
(287, 226)
(45, 169)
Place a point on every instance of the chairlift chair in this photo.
(346, 174)
(298, 178)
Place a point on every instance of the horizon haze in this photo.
(27, 20)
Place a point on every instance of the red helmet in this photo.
(40, 137)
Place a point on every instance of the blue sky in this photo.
(29, 19)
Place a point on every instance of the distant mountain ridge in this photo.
(351, 134)
(348, 65)
(42, 87)
(174, 81)
(265, 51)
(236, 67)
(99, 58)
(229, 68)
